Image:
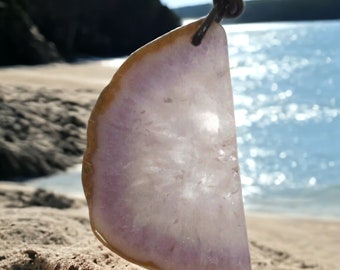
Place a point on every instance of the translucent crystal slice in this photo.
(161, 172)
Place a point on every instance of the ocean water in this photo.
(286, 82)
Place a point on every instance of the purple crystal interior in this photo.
(161, 171)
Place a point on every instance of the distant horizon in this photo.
(183, 3)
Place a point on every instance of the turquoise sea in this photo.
(286, 81)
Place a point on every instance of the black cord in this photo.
(221, 9)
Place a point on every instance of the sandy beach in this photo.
(42, 230)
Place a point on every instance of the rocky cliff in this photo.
(42, 31)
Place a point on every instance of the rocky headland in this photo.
(44, 31)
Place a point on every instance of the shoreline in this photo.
(291, 216)
(4, 185)
(61, 182)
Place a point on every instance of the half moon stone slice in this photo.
(160, 172)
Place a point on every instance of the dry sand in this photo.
(91, 75)
(40, 230)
